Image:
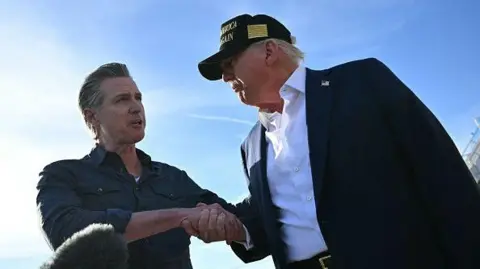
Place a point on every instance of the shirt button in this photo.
(100, 190)
(309, 198)
(296, 169)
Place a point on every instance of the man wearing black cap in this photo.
(347, 168)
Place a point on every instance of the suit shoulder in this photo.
(251, 135)
(359, 63)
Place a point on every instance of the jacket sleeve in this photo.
(258, 239)
(247, 212)
(438, 172)
(61, 211)
(250, 217)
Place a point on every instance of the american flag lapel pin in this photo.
(325, 83)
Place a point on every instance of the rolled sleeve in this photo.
(61, 211)
(118, 218)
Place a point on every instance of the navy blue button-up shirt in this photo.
(98, 189)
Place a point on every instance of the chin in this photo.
(137, 137)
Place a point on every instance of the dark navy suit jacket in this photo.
(391, 188)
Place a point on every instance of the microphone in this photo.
(97, 246)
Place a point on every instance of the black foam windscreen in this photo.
(97, 246)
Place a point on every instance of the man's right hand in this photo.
(214, 224)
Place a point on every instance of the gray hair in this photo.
(293, 52)
(90, 95)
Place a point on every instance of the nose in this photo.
(227, 76)
(135, 108)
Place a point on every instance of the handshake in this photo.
(212, 223)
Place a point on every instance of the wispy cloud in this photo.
(220, 118)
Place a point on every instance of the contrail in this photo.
(218, 118)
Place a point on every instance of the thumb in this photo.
(188, 227)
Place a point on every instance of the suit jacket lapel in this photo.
(263, 154)
(318, 94)
(257, 163)
(267, 197)
(257, 156)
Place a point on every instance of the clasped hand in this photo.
(212, 223)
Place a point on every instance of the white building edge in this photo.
(471, 153)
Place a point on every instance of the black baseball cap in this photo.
(239, 33)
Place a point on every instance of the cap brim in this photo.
(210, 68)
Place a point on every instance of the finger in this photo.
(203, 224)
(215, 206)
(212, 224)
(203, 220)
(238, 232)
(220, 227)
(231, 228)
(187, 226)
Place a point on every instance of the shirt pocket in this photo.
(169, 197)
(101, 197)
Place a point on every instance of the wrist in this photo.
(241, 236)
(182, 214)
(175, 216)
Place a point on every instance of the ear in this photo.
(89, 116)
(271, 53)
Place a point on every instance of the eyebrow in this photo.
(126, 94)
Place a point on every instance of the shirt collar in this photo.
(296, 81)
(99, 154)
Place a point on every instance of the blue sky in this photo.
(47, 48)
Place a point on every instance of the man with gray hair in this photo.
(346, 167)
(153, 205)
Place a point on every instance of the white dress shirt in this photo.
(289, 174)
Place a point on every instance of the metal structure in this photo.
(471, 153)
